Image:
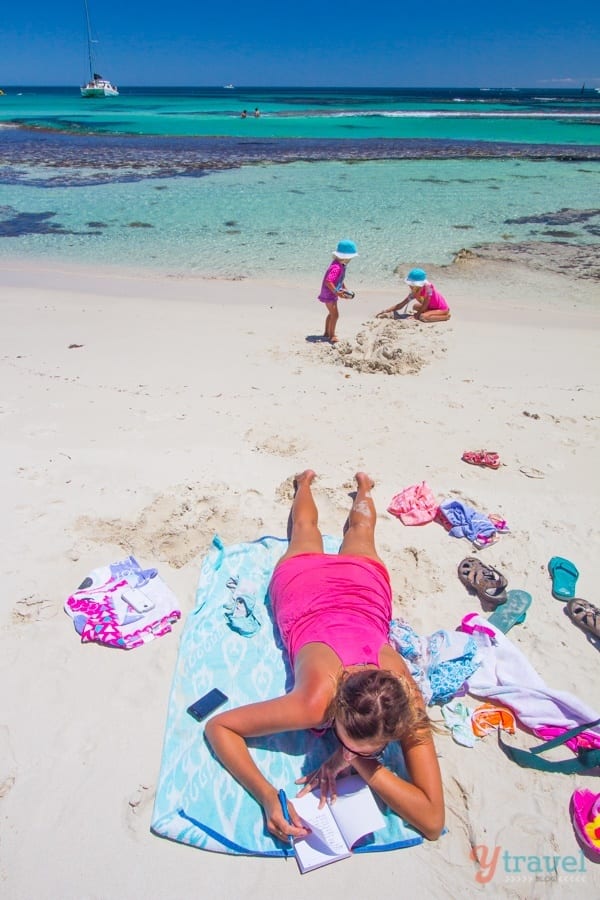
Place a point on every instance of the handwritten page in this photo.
(355, 811)
(336, 827)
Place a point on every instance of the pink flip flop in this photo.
(487, 458)
(585, 815)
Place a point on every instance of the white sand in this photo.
(184, 413)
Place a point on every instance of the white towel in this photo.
(507, 676)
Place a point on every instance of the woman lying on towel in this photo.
(333, 612)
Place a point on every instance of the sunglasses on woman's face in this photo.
(374, 754)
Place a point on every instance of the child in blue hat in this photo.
(430, 305)
(334, 286)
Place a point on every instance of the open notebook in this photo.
(337, 826)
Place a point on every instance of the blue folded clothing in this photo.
(466, 521)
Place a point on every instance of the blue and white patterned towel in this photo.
(197, 800)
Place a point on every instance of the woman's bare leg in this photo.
(359, 534)
(304, 533)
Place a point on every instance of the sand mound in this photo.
(390, 347)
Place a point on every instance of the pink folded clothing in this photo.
(415, 505)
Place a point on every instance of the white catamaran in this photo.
(97, 86)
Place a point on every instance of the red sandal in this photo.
(482, 458)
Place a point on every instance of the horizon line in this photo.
(574, 86)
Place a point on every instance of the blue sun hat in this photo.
(416, 277)
(345, 249)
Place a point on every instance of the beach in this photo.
(144, 413)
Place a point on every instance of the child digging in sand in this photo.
(430, 305)
(333, 286)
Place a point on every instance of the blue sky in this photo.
(349, 43)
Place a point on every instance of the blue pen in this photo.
(286, 813)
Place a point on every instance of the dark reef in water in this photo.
(560, 217)
(16, 224)
(97, 159)
(565, 216)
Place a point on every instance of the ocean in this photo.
(175, 179)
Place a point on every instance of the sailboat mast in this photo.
(97, 86)
(89, 37)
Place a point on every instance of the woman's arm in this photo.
(226, 733)
(304, 707)
(421, 803)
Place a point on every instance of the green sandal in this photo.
(564, 576)
(512, 612)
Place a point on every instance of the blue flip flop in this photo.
(564, 576)
(512, 612)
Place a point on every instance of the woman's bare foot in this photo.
(365, 482)
(307, 477)
(334, 339)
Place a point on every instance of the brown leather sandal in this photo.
(485, 581)
(585, 615)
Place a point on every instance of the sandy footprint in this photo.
(32, 609)
(415, 577)
(458, 794)
(457, 494)
(137, 807)
(286, 490)
(275, 444)
(8, 764)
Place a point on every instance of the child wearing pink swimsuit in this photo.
(434, 298)
(430, 305)
(333, 286)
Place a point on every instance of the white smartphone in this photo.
(137, 600)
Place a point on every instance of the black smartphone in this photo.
(205, 705)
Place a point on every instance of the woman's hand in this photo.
(383, 314)
(277, 823)
(324, 777)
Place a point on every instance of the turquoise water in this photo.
(524, 116)
(411, 176)
(280, 220)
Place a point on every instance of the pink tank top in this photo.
(342, 601)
